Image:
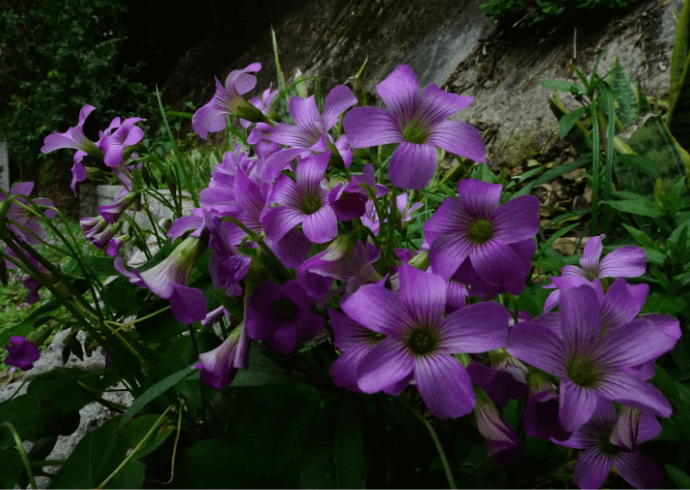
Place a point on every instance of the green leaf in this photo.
(155, 391)
(562, 85)
(11, 467)
(184, 115)
(625, 95)
(642, 208)
(639, 163)
(654, 140)
(262, 371)
(25, 327)
(563, 169)
(677, 476)
(100, 452)
(641, 237)
(568, 120)
(556, 236)
(642, 102)
(212, 463)
(482, 172)
(333, 451)
(663, 303)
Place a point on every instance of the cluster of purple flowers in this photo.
(426, 322)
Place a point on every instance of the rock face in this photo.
(453, 44)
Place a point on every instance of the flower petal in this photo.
(293, 136)
(638, 470)
(480, 199)
(400, 92)
(424, 293)
(495, 262)
(622, 303)
(447, 253)
(634, 392)
(476, 328)
(281, 219)
(386, 364)
(591, 469)
(444, 385)
(344, 368)
(338, 101)
(580, 318)
(436, 104)
(321, 226)
(627, 261)
(187, 304)
(412, 166)
(578, 404)
(378, 309)
(537, 345)
(638, 342)
(517, 220)
(459, 138)
(371, 126)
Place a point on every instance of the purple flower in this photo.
(591, 367)
(21, 353)
(540, 417)
(112, 212)
(420, 342)
(167, 280)
(619, 306)
(226, 101)
(597, 438)
(628, 261)
(502, 380)
(22, 222)
(418, 123)
(504, 444)
(303, 202)
(73, 138)
(113, 146)
(310, 134)
(102, 239)
(116, 243)
(488, 245)
(280, 316)
(79, 174)
(264, 104)
(220, 366)
(92, 226)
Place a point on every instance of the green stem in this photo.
(177, 438)
(137, 448)
(439, 448)
(596, 155)
(20, 447)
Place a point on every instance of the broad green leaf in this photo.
(213, 463)
(155, 391)
(654, 140)
(568, 120)
(642, 238)
(334, 451)
(263, 371)
(625, 95)
(482, 172)
(678, 476)
(100, 452)
(664, 303)
(11, 467)
(642, 208)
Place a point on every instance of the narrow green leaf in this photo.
(557, 235)
(568, 121)
(279, 71)
(184, 115)
(563, 169)
(681, 48)
(642, 208)
(155, 391)
(642, 101)
(562, 85)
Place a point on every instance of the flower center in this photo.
(583, 372)
(285, 309)
(603, 443)
(414, 133)
(311, 204)
(481, 231)
(422, 341)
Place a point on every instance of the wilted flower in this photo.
(504, 444)
(219, 366)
